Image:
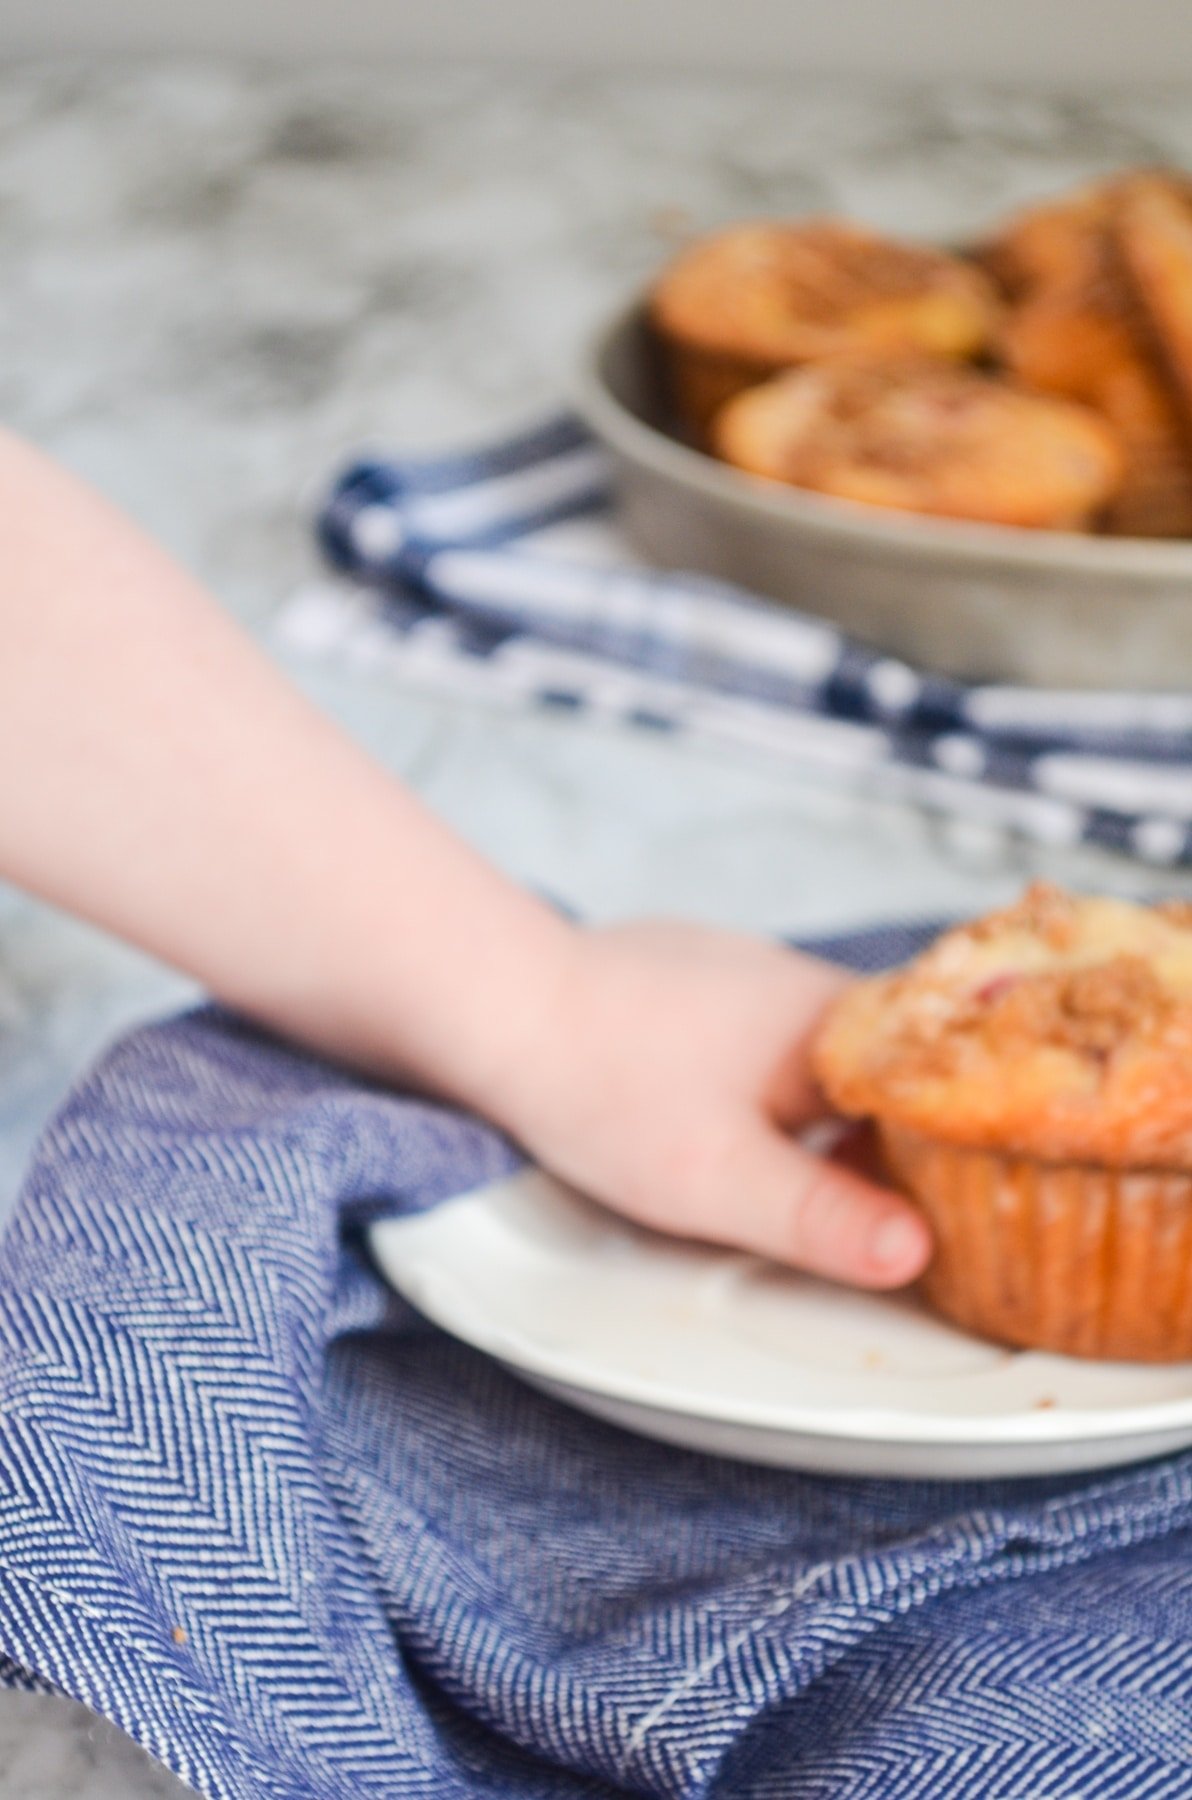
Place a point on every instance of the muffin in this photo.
(748, 301)
(927, 437)
(1030, 1078)
(1153, 237)
(1082, 345)
(1060, 242)
(1051, 245)
(1095, 289)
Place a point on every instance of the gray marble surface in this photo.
(214, 280)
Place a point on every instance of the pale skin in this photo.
(160, 777)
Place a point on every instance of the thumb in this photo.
(802, 1209)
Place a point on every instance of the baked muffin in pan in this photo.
(743, 303)
(924, 436)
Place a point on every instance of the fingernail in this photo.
(897, 1243)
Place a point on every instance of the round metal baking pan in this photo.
(983, 602)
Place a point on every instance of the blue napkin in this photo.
(502, 572)
(299, 1544)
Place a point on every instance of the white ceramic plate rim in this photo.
(615, 424)
(444, 1303)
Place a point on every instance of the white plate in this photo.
(729, 1354)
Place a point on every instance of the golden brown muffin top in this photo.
(1060, 1028)
(1085, 346)
(777, 292)
(1099, 283)
(1055, 245)
(924, 436)
(1154, 239)
(1065, 242)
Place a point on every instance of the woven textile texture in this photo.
(301, 1545)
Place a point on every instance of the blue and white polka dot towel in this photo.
(502, 575)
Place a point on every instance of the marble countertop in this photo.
(214, 280)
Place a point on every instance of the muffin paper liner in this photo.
(1083, 1260)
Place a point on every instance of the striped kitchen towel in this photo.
(302, 1546)
(498, 572)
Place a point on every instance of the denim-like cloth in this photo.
(503, 575)
(298, 1543)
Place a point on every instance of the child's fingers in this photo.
(799, 1208)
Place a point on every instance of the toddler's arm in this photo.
(158, 776)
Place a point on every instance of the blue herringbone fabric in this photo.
(301, 1545)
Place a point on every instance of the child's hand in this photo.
(667, 1080)
(661, 1068)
